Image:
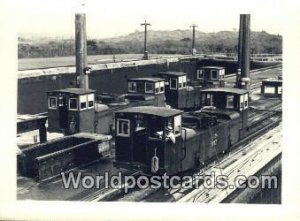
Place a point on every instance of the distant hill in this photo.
(160, 42)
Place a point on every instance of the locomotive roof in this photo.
(173, 73)
(272, 81)
(77, 91)
(213, 67)
(227, 90)
(231, 114)
(150, 79)
(152, 110)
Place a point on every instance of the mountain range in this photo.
(159, 42)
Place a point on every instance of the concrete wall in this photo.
(110, 78)
(33, 84)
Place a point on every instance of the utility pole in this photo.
(82, 70)
(193, 42)
(145, 40)
(243, 77)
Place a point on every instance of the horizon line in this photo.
(71, 36)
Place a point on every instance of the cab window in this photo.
(91, 99)
(229, 101)
(131, 86)
(140, 87)
(162, 86)
(52, 103)
(210, 100)
(123, 128)
(184, 81)
(173, 83)
(214, 74)
(173, 128)
(83, 101)
(149, 87)
(200, 74)
(180, 84)
(222, 74)
(177, 125)
(241, 102)
(73, 104)
(157, 88)
(246, 101)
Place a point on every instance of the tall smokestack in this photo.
(81, 51)
(243, 78)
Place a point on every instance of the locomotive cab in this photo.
(178, 93)
(211, 76)
(147, 88)
(219, 100)
(272, 87)
(71, 110)
(144, 137)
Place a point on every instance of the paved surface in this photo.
(36, 63)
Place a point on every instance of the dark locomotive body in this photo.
(74, 110)
(138, 140)
(147, 86)
(178, 94)
(185, 94)
(176, 141)
(71, 110)
(211, 76)
(164, 140)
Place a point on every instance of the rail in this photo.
(255, 70)
(179, 194)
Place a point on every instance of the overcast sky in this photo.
(109, 18)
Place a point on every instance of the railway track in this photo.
(258, 126)
(243, 162)
(254, 71)
(257, 115)
(184, 195)
(256, 119)
(107, 194)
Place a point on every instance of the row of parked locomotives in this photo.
(73, 110)
(163, 140)
(76, 112)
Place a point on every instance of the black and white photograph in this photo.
(150, 103)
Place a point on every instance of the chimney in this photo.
(81, 51)
(243, 77)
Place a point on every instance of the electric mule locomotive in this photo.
(183, 93)
(180, 141)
